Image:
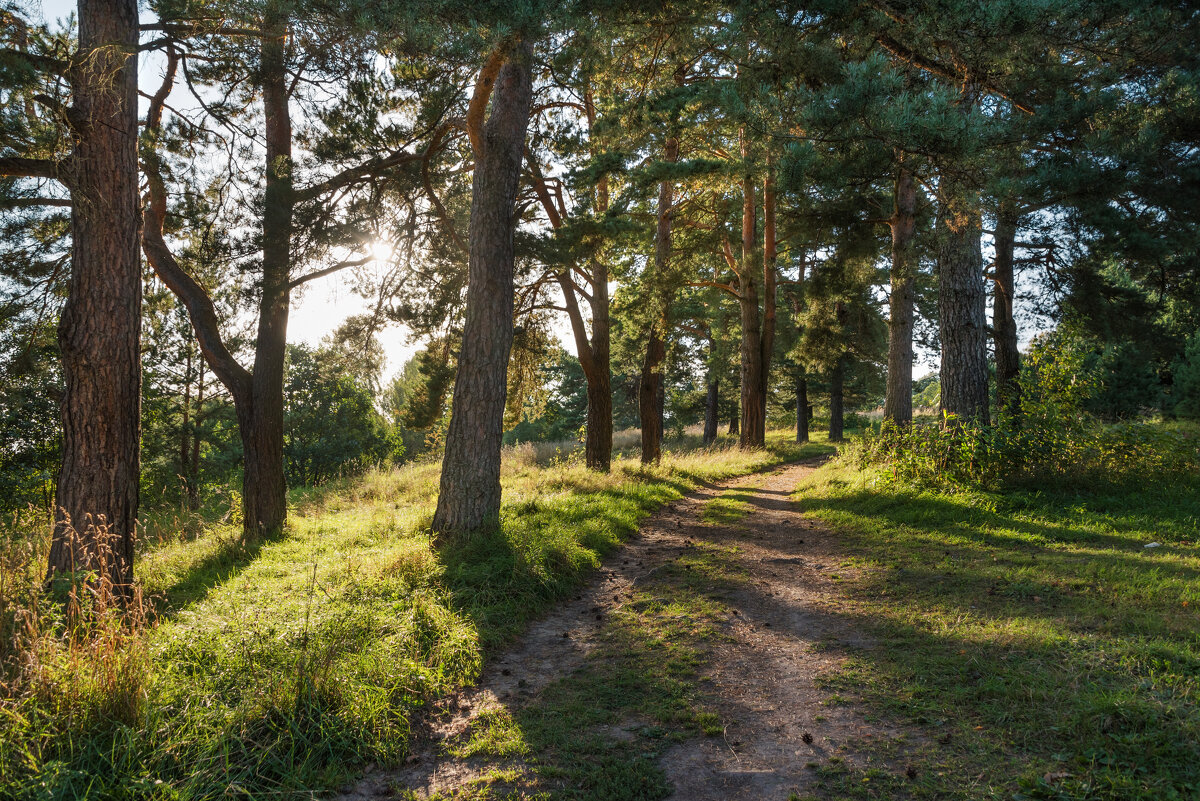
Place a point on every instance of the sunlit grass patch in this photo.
(1031, 634)
(282, 667)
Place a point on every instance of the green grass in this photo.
(1043, 651)
(282, 669)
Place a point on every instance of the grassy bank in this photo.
(1043, 650)
(284, 668)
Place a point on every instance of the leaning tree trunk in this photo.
(99, 332)
(649, 386)
(837, 380)
(801, 408)
(962, 305)
(897, 405)
(1004, 326)
(469, 495)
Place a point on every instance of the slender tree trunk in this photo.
(837, 380)
(650, 418)
(962, 305)
(1004, 325)
(598, 447)
(770, 291)
(897, 405)
(648, 386)
(801, 408)
(753, 427)
(99, 333)
(711, 412)
(734, 420)
(264, 489)
(469, 496)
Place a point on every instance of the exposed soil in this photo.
(785, 628)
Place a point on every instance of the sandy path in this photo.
(782, 631)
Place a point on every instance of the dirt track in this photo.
(783, 630)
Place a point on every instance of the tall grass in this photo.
(281, 668)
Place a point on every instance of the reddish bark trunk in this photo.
(96, 500)
(753, 423)
(897, 405)
(837, 382)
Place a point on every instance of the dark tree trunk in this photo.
(734, 420)
(801, 408)
(469, 495)
(99, 333)
(264, 490)
(711, 412)
(648, 388)
(753, 404)
(962, 305)
(897, 406)
(837, 382)
(651, 380)
(1004, 326)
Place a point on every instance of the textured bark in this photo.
(753, 404)
(962, 305)
(1004, 326)
(837, 382)
(649, 386)
(264, 491)
(711, 400)
(99, 334)
(469, 494)
(897, 405)
(801, 408)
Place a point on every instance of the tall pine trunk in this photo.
(770, 291)
(962, 304)
(897, 405)
(837, 381)
(260, 422)
(1004, 326)
(469, 494)
(99, 333)
(753, 405)
(649, 387)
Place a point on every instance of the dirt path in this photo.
(781, 627)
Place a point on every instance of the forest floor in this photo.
(690, 668)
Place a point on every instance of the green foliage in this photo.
(1055, 442)
(1186, 389)
(331, 427)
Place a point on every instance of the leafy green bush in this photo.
(1055, 441)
